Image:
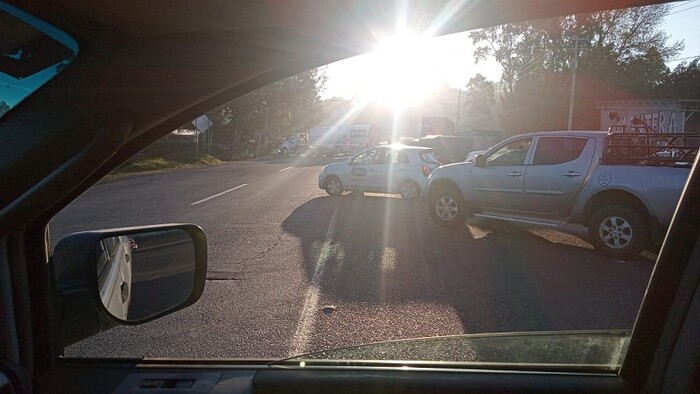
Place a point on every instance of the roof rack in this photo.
(635, 145)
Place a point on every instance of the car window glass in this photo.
(512, 154)
(393, 157)
(380, 157)
(31, 53)
(366, 157)
(429, 157)
(557, 150)
(297, 266)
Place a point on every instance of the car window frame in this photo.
(645, 300)
(537, 145)
(526, 160)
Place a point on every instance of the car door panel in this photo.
(499, 183)
(553, 181)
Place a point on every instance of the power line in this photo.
(682, 58)
(683, 3)
(683, 10)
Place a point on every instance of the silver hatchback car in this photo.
(382, 169)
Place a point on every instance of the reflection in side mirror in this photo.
(480, 160)
(144, 274)
(130, 275)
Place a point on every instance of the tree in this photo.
(681, 83)
(623, 56)
(269, 113)
(480, 105)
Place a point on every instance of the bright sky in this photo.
(403, 70)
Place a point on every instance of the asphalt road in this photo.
(292, 270)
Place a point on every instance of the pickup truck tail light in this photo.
(425, 170)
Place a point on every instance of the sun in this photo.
(402, 70)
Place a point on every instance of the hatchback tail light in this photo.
(425, 170)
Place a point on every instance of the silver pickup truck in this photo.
(623, 187)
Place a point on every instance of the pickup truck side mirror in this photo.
(480, 160)
(126, 276)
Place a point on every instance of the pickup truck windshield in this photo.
(340, 212)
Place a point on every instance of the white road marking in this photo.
(219, 194)
(301, 338)
(284, 169)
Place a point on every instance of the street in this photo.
(292, 270)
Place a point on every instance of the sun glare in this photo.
(402, 70)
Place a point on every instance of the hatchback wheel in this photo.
(409, 190)
(334, 186)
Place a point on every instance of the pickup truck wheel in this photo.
(334, 186)
(447, 207)
(618, 231)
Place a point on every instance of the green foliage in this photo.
(682, 83)
(280, 108)
(159, 164)
(623, 55)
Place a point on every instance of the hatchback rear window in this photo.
(429, 157)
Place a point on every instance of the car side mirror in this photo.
(480, 160)
(126, 276)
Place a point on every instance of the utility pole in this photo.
(459, 104)
(573, 80)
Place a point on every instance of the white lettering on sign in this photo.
(665, 121)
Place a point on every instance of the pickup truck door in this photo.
(556, 175)
(498, 184)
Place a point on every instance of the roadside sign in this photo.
(202, 123)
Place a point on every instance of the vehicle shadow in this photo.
(378, 250)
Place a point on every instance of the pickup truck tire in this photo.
(333, 186)
(618, 231)
(447, 207)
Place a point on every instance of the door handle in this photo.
(515, 174)
(571, 174)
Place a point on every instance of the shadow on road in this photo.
(502, 277)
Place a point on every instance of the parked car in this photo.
(114, 274)
(296, 143)
(383, 169)
(449, 149)
(553, 178)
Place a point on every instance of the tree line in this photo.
(622, 54)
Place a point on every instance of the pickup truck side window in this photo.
(512, 154)
(558, 150)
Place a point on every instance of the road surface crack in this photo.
(264, 252)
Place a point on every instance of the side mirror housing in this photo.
(480, 160)
(126, 276)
